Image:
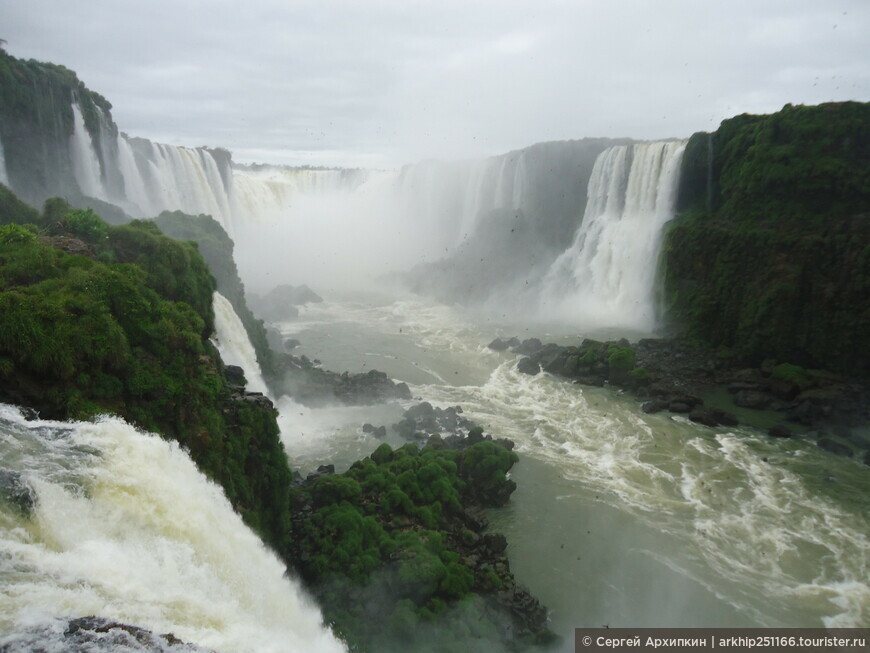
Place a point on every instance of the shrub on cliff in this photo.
(121, 327)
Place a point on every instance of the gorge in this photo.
(751, 241)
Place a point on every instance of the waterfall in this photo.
(606, 277)
(125, 527)
(86, 164)
(233, 343)
(4, 179)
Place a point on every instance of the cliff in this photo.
(98, 319)
(37, 123)
(769, 255)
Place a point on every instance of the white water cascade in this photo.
(125, 527)
(233, 343)
(86, 164)
(4, 178)
(606, 276)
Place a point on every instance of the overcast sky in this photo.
(360, 83)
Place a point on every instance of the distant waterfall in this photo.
(86, 164)
(125, 527)
(606, 276)
(234, 345)
(4, 178)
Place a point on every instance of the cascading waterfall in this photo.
(105, 520)
(4, 179)
(86, 164)
(161, 177)
(606, 277)
(233, 343)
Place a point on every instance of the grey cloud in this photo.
(389, 82)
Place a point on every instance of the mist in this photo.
(442, 176)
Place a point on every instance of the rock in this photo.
(752, 399)
(291, 344)
(712, 416)
(779, 431)
(280, 303)
(274, 338)
(654, 406)
(423, 419)
(495, 542)
(502, 344)
(748, 375)
(235, 375)
(15, 490)
(867, 458)
(553, 358)
(95, 635)
(590, 379)
(679, 407)
(29, 414)
(835, 447)
(725, 418)
(528, 347)
(737, 386)
(528, 366)
(659, 389)
(525, 607)
(784, 389)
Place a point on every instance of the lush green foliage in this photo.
(121, 327)
(770, 255)
(384, 524)
(216, 248)
(36, 119)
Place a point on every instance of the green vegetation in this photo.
(769, 256)
(216, 248)
(100, 319)
(383, 545)
(36, 122)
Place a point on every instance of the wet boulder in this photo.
(15, 491)
(528, 365)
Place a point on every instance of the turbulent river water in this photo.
(620, 518)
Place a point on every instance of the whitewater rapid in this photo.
(126, 527)
(727, 526)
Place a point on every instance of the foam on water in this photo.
(755, 532)
(125, 527)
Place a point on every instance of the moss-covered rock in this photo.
(769, 255)
(395, 544)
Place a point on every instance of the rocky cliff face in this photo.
(769, 256)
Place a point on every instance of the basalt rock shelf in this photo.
(677, 376)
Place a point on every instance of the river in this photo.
(620, 518)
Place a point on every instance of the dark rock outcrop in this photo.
(15, 491)
(280, 303)
(93, 635)
(836, 447)
(312, 386)
(423, 420)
